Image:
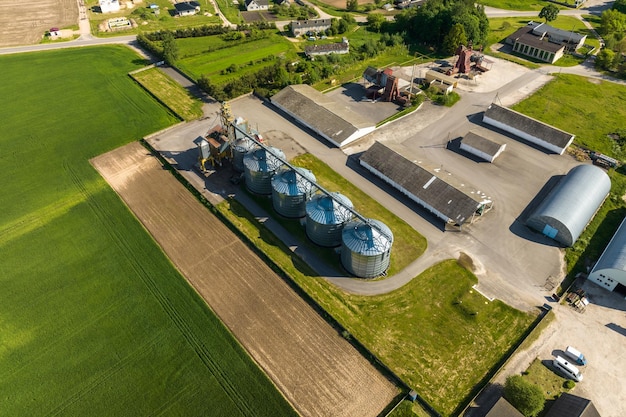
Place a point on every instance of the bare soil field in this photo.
(25, 24)
(318, 371)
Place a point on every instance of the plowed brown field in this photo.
(316, 369)
(25, 22)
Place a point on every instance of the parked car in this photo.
(575, 355)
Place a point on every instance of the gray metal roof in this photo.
(481, 143)
(423, 184)
(362, 238)
(560, 34)
(529, 125)
(320, 112)
(287, 182)
(260, 160)
(614, 255)
(313, 23)
(569, 405)
(323, 209)
(572, 203)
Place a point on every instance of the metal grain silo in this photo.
(366, 248)
(259, 167)
(290, 191)
(325, 218)
(240, 148)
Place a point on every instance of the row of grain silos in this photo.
(365, 244)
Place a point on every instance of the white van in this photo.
(567, 368)
(576, 356)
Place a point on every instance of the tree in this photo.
(170, 49)
(526, 397)
(375, 21)
(613, 23)
(352, 5)
(454, 38)
(604, 59)
(620, 6)
(549, 12)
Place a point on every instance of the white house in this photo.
(109, 6)
(254, 5)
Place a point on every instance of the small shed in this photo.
(481, 147)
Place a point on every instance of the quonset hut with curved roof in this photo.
(291, 190)
(325, 218)
(610, 270)
(365, 251)
(570, 206)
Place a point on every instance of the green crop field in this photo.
(212, 63)
(94, 319)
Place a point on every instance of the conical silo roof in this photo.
(325, 210)
(287, 182)
(259, 160)
(367, 238)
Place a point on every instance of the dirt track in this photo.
(317, 370)
(24, 23)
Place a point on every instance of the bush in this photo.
(569, 384)
(526, 397)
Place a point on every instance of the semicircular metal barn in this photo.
(366, 247)
(325, 218)
(570, 206)
(259, 167)
(291, 190)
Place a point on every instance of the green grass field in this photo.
(170, 93)
(94, 318)
(241, 55)
(518, 5)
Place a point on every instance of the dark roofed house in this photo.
(303, 27)
(330, 119)
(421, 185)
(187, 8)
(503, 408)
(568, 405)
(544, 42)
(330, 48)
(539, 133)
(481, 146)
(253, 5)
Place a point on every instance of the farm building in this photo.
(423, 186)
(443, 81)
(304, 27)
(331, 120)
(527, 128)
(481, 147)
(366, 247)
(544, 42)
(570, 206)
(327, 49)
(109, 6)
(610, 270)
(569, 405)
(254, 5)
(187, 8)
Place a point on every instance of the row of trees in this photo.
(613, 29)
